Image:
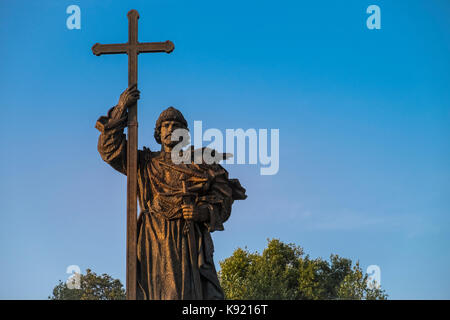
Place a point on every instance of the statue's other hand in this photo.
(190, 212)
(129, 96)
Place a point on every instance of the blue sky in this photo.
(363, 118)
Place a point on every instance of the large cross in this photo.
(133, 47)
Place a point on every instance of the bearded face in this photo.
(167, 128)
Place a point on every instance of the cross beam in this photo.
(133, 47)
(166, 46)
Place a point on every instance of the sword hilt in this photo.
(187, 199)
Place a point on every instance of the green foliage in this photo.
(283, 272)
(92, 287)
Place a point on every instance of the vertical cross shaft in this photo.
(132, 48)
(133, 17)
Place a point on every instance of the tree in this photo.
(282, 271)
(92, 287)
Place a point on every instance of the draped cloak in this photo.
(164, 269)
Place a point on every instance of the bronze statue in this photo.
(169, 248)
(181, 204)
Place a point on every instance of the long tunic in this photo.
(165, 269)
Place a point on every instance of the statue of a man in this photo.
(166, 269)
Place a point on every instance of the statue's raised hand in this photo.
(129, 96)
(127, 99)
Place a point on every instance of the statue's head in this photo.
(169, 120)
